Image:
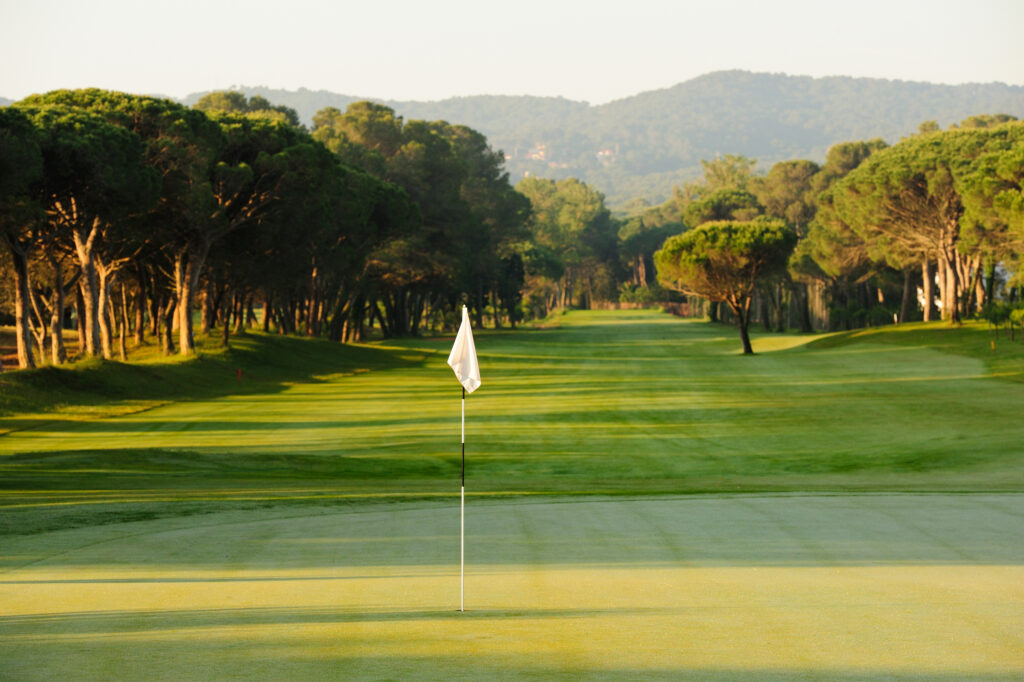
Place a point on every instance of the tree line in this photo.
(144, 218)
(938, 216)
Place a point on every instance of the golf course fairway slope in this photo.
(643, 503)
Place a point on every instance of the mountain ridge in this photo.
(643, 145)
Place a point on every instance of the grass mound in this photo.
(1003, 356)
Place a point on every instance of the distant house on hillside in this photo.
(538, 153)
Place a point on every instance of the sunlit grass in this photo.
(861, 587)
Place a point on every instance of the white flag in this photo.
(463, 356)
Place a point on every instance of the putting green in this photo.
(860, 586)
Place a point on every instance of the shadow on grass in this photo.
(254, 364)
(49, 641)
(619, 533)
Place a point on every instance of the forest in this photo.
(135, 219)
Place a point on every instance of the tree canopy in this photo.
(725, 260)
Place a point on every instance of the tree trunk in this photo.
(80, 317)
(268, 310)
(907, 302)
(742, 312)
(976, 290)
(85, 249)
(188, 264)
(225, 339)
(927, 282)
(59, 353)
(167, 325)
(803, 297)
(155, 311)
(106, 279)
(140, 305)
(950, 289)
(239, 314)
(19, 255)
(778, 300)
(208, 308)
(760, 309)
(122, 342)
(40, 326)
(990, 280)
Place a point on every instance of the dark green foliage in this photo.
(472, 219)
(574, 253)
(906, 204)
(234, 102)
(722, 204)
(725, 261)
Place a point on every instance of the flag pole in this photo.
(467, 370)
(462, 534)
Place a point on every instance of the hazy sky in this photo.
(589, 50)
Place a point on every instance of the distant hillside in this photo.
(5, 102)
(643, 145)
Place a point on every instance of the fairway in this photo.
(643, 502)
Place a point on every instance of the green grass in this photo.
(708, 587)
(644, 502)
(604, 403)
(97, 387)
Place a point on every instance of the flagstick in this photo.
(462, 535)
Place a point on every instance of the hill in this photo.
(641, 146)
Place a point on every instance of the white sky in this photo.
(590, 50)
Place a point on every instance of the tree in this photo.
(21, 165)
(725, 261)
(181, 146)
(366, 136)
(992, 187)
(637, 243)
(729, 172)
(983, 121)
(571, 222)
(787, 192)
(472, 220)
(829, 251)
(94, 179)
(244, 181)
(233, 102)
(722, 204)
(905, 203)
